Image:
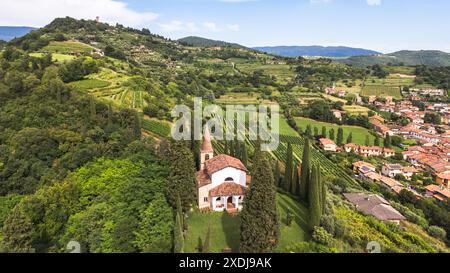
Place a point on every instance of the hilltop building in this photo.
(222, 180)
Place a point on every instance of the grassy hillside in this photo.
(425, 57)
(203, 42)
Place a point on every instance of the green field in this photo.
(282, 72)
(356, 110)
(225, 228)
(89, 84)
(67, 47)
(56, 57)
(381, 91)
(359, 133)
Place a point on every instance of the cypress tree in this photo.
(289, 165)
(232, 150)
(323, 193)
(387, 141)
(237, 150)
(376, 142)
(308, 131)
(367, 143)
(182, 179)
(276, 174)
(244, 154)
(314, 199)
(295, 181)
(259, 218)
(305, 174)
(350, 138)
(324, 131)
(226, 148)
(316, 131)
(340, 137)
(332, 136)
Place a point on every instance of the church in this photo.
(222, 180)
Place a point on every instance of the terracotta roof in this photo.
(326, 141)
(207, 145)
(203, 179)
(221, 162)
(360, 164)
(227, 189)
(444, 175)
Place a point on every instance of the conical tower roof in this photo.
(207, 145)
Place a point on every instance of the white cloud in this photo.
(38, 13)
(211, 26)
(374, 2)
(235, 28)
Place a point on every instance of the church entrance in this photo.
(230, 204)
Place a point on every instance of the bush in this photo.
(321, 236)
(437, 232)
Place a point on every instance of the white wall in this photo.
(238, 176)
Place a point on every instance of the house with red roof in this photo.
(222, 180)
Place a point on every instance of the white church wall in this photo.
(219, 177)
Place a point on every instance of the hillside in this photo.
(203, 42)
(331, 51)
(432, 58)
(9, 33)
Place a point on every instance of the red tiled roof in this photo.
(206, 145)
(203, 179)
(326, 141)
(227, 189)
(221, 162)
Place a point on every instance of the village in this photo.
(423, 125)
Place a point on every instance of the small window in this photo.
(207, 157)
(229, 179)
(205, 199)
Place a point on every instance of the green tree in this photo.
(154, 234)
(244, 156)
(350, 138)
(308, 132)
(376, 142)
(314, 199)
(332, 136)
(367, 142)
(316, 131)
(305, 172)
(289, 166)
(259, 224)
(295, 181)
(387, 141)
(18, 232)
(340, 137)
(277, 174)
(178, 235)
(324, 131)
(182, 180)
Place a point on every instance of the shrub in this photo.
(437, 232)
(321, 236)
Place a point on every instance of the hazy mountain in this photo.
(330, 51)
(423, 57)
(9, 33)
(199, 41)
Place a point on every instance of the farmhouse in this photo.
(222, 180)
(438, 193)
(374, 205)
(328, 145)
(367, 151)
(392, 170)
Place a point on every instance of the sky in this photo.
(382, 25)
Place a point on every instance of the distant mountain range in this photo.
(320, 51)
(9, 33)
(405, 57)
(199, 41)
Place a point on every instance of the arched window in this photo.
(229, 179)
(207, 157)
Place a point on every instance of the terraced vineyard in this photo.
(157, 127)
(328, 167)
